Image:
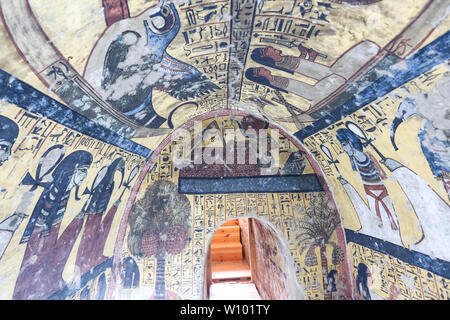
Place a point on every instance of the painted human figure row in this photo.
(47, 241)
(151, 67)
(68, 173)
(166, 235)
(383, 185)
(136, 61)
(329, 79)
(9, 131)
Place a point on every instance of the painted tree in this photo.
(159, 227)
(315, 226)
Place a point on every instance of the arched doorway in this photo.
(248, 259)
(217, 193)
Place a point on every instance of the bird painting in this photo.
(136, 64)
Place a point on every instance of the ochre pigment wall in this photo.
(407, 126)
(245, 239)
(360, 86)
(62, 196)
(184, 270)
(272, 272)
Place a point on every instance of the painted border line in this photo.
(261, 184)
(21, 94)
(72, 289)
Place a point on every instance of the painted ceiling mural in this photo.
(94, 92)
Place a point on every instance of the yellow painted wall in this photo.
(217, 38)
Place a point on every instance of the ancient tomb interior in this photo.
(138, 137)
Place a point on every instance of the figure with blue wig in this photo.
(8, 135)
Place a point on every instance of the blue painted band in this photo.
(414, 258)
(19, 93)
(262, 184)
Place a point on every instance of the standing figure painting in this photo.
(362, 279)
(8, 135)
(40, 274)
(379, 219)
(97, 226)
(431, 211)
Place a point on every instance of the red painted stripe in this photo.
(115, 10)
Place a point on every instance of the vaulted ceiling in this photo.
(358, 88)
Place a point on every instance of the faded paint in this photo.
(378, 69)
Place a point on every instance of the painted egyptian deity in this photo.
(379, 219)
(97, 226)
(8, 135)
(135, 66)
(329, 78)
(432, 212)
(46, 252)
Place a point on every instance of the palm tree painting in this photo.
(159, 227)
(315, 226)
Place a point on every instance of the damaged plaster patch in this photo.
(401, 65)
(409, 282)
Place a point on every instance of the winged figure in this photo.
(135, 65)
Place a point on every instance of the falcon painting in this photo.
(136, 63)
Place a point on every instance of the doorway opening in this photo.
(228, 269)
